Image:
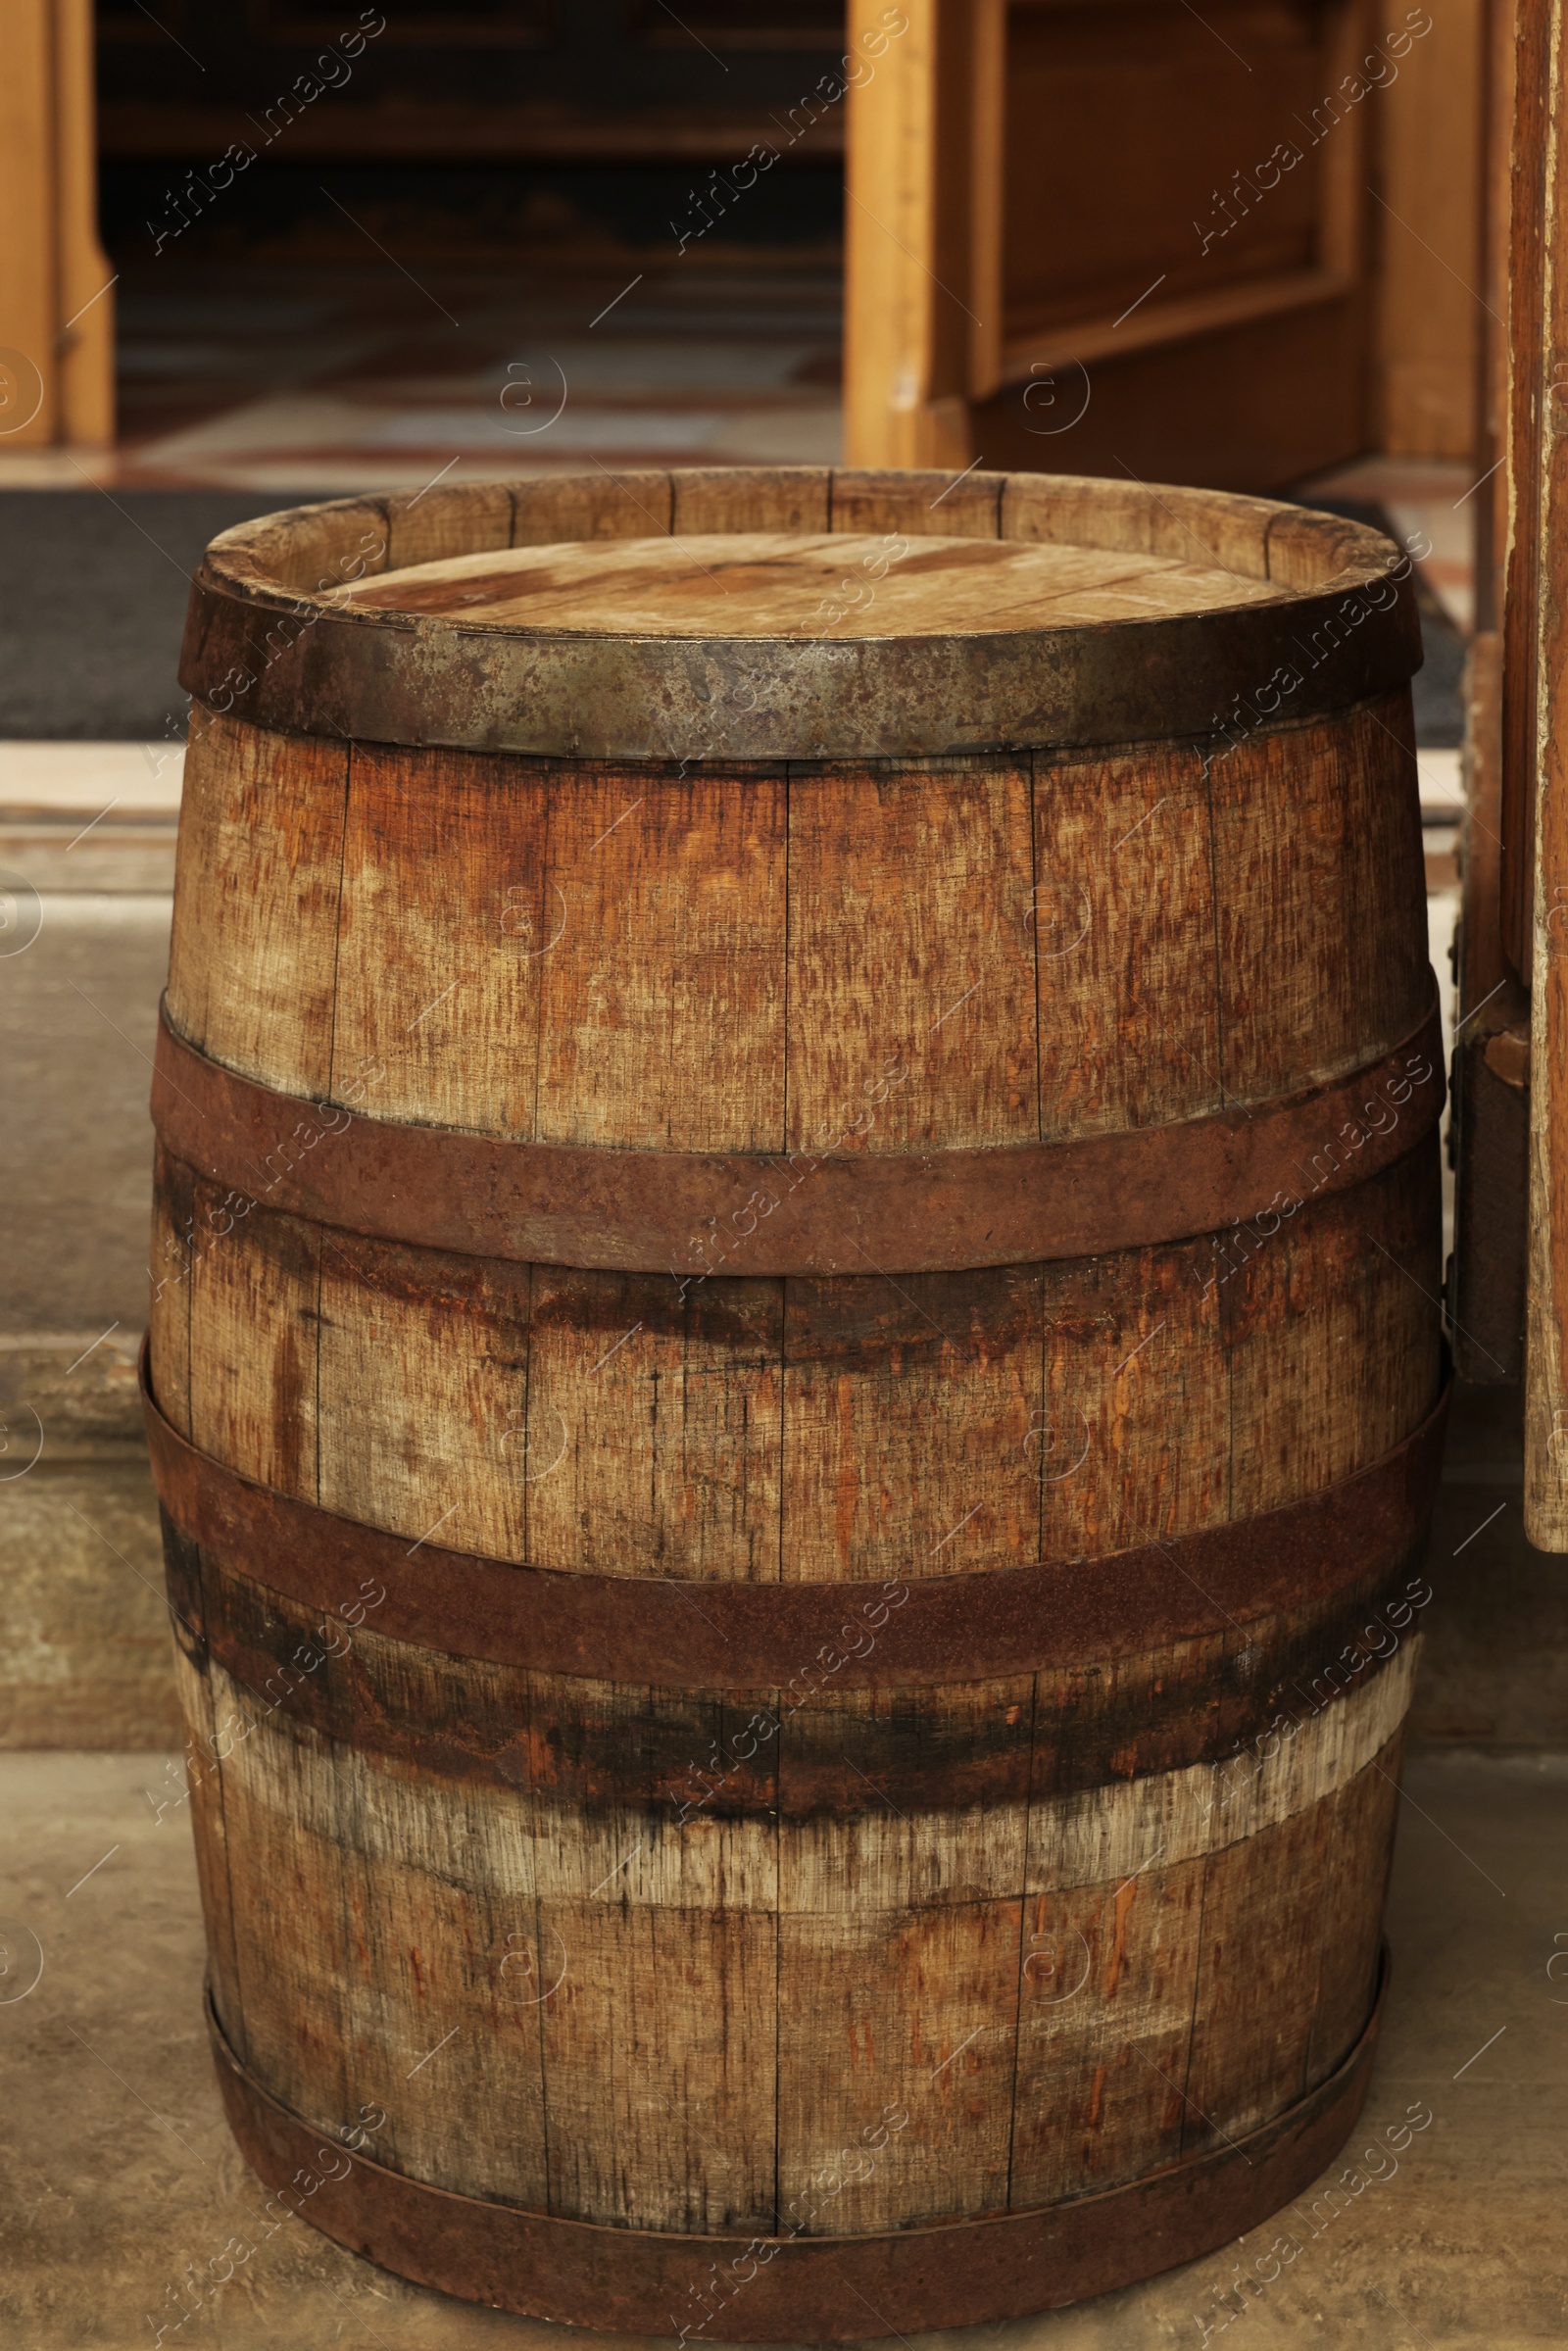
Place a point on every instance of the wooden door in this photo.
(1115, 236)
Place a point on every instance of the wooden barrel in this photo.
(795, 1375)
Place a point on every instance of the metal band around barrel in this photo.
(782, 2288)
(283, 632)
(301, 666)
(700, 1213)
(712, 1635)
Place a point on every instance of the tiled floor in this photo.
(340, 380)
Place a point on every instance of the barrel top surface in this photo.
(785, 585)
(744, 613)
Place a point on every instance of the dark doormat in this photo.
(92, 604)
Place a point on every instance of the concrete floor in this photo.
(79, 1010)
(118, 2170)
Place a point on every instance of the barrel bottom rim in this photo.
(822, 2288)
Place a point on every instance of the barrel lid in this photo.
(743, 614)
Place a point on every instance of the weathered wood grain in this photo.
(1326, 1370)
(1108, 1975)
(1254, 1998)
(927, 504)
(443, 1982)
(1229, 534)
(748, 498)
(444, 921)
(203, 1786)
(1122, 919)
(1386, 943)
(874, 1368)
(917, 575)
(658, 2066)
(912, 983)
(1133, 1441)
(254, 1319)
(1294, 837)
(437, 1438)
(170, 1271)
(283, 1815)
(654, 1428)
(1535, 784)
(623, 505)
(312, 551)
(812, 1428)
(452, 519)
(882, 2014)
(550, 1965)
(252, 967)
(1349, 1929)
(662, 997)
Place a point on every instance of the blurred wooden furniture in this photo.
(1137, 239)
(1490, 1119)
(57, 316)
(1535, 760)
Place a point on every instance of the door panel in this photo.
(1113, 235)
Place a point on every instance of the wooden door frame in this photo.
(922, 238)
(56, 308)
(1536, 729)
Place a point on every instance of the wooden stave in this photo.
(309, 826)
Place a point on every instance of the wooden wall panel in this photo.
(1427, 229)
(57, 302)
